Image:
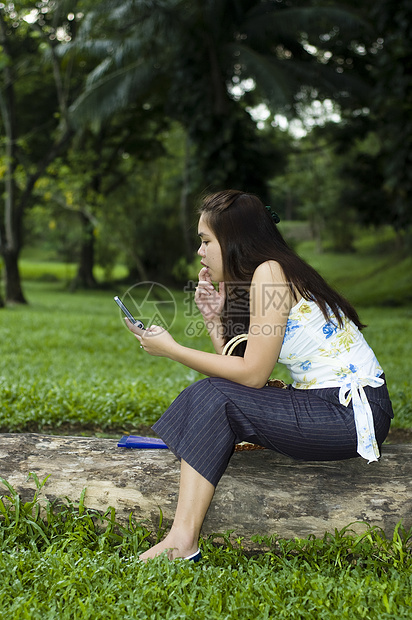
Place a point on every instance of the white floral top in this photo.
(320, 354)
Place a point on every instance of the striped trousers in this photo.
(209, 417)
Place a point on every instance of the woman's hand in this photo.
(154, 340)
(209, 301)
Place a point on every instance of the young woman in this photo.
(338, 406)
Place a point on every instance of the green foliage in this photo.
(162, 95)
(141, 223)
(124, 183)
(391, 105)
(199, 58)
(69, 562)
(376, 139)
(310, 190)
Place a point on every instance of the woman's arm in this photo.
(215, 331)
(210, 303)
(270, 303)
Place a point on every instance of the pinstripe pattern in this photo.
(209, 417)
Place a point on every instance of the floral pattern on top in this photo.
(291, 326)
(306, 384)
(305, 309)
(299, 311)
(329, 329)
(346, 372)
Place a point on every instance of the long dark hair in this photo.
(248, 236)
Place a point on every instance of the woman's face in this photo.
(210, 252)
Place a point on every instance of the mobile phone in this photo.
(128, 313)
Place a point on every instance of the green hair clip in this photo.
(273, 215)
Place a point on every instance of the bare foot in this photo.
(171, 548)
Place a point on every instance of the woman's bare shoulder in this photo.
(269, 271)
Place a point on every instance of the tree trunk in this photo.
(289, 209)
(10, 239)
(85, 277)
(13, 288)
(138, 271)
(262, 492)
(2, 304)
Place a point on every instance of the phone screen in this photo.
(127, 313)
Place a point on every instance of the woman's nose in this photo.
(200, 250)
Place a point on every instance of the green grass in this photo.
(67, 361)
(389, 332)
(68, 562)
(67, 364)
(52, 271)
(382, 277)
(371, 281)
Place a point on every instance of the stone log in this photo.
(262, 492)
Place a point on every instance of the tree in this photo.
(391, 107)
(313, 184)
(96, 182)
(376, 140)
(193, 55)
(34, 113)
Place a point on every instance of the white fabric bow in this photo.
(367, 446)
